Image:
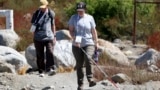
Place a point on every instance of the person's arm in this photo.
(54, 32)
(94, 32)
(53, 26)
(71, 31)
(95, 38)
(71, 27)
(54, 29)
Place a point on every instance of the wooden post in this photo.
(135, 12)
(134, 24)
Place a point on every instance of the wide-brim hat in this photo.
(44, 3)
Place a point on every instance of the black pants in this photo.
(44, 65)
(82, 58)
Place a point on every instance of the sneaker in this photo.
(41, 74)
(92, 83)
(80, 87)
(51, 72)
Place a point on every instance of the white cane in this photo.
(106, 76)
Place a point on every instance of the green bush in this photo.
(26, 39)
(110, 16)
(114, 18)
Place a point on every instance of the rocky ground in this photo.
(67, 81)
(63, 81)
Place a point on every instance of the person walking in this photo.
(44, 38)
(82, 28)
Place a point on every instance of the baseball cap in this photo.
(81, 6)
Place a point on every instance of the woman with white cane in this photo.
(83, 31)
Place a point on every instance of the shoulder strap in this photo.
(34, 17)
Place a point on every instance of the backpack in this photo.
(35, 14)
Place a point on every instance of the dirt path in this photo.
(61, 81)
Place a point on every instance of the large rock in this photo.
(62, 54)
(30, 55)
(121, 78)
(63, 35)
(12, 61)
(8, 38)
(148, 59)
(113, 52)
(6, 67)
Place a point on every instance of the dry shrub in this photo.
(62, 69)
(26, 39)
(142, 76)
(154, 40)
(100, 75)
(59, 23)
(110, 71)
(104, 60)
(111, 68)
(22, 70)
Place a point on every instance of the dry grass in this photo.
(138, 76)
(22, 70)
(62, 69)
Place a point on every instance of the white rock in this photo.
(10, 56)
(113, 52)
(62, 54)
(8, 38)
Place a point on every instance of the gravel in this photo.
(62, 81)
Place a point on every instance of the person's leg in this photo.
(39, 47)
(78, 54)
(49, 56)
(88, 57)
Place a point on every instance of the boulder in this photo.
(12, 61)
(151, 56)
(113, 52)
(63, 35)
(63, 55)
(30, 55)
(8, 38)
(121, 78)
(148, 59)
(6, 67)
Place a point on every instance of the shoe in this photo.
(51, 72)
(80, 87)
(92, 83)
(41, 74)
